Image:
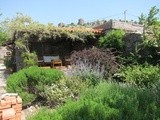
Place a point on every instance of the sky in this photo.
(68, 11)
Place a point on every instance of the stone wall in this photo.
(3, 53)
(10, 107)
(131, 40)
(129, 27)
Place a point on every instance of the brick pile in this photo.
(10, 107)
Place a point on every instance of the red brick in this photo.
(14, 106)
(6, 98)
(18, 116)
(14, 101)
(2, 103)
(9, 97)
(19, 100)
(8, 114)
(17, 106)
(12, 119)
(5, 107)
(18, 110)
(8, 102)
(0, 115)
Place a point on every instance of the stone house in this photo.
(133, 31)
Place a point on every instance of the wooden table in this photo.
(57, 62)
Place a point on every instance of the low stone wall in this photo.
(10, 107)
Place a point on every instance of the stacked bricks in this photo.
(10, 107)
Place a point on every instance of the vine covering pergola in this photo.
(51, 40)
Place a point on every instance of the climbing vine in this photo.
(25, 26)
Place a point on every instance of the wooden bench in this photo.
(52, 60)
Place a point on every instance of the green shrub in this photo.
(142, 75)
(110, 101)
(8, 62)
(29, 59)
(30, 83)
(43, 114)
(113, 39)
(62, 90)
(3, 36)
(81, 110)
(87, 110)
(132, 102)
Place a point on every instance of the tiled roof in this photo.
(74, 29)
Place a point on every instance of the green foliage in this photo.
(62, 90)
(3, 36)
(22, 44)
(131, 102)
(94, 62)
(8, 62)
(29, 59)
(142, 19)
(151, 35)
(3, 33)
(88, 72)
(152, 16)
(23, 25)
(43, 114)
(108, 101)
(149, 48)
(15, 24)
(113, 39)
(87, 110)
(29, 83)
(141, 75)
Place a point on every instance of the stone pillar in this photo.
(18, 59)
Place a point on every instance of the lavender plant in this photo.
(94, 63)
(86, 71)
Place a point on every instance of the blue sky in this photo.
(67, 11)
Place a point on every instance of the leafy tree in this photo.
(3, 34)
(152, 16)
(151, 34)
(152, 28)
(13, 26)
(29, 59)
(142, 19)
(19, 22)
(113, 39)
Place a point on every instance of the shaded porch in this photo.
(58, 53)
